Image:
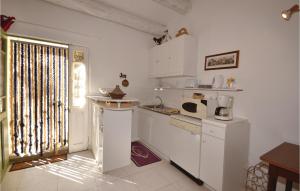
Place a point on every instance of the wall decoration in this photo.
(222, 61)
(6, 22)
(182, 31)
(125, 82)
(165, 38)
(78, 56)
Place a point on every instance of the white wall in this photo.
(268, 70)
(112, 48)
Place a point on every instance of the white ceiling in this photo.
(145, 8)
(150, 16)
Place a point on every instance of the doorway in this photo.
(38, 98)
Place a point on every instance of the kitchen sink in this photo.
(161, 109)
(154, 106)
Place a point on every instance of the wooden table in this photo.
(283, 161)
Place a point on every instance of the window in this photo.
(78, 79)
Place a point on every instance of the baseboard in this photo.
(198, 181)
(135, 139)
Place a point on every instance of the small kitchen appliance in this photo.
(224, 109)
(198, 108)
(218, 81)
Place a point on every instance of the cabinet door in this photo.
(186, 150)
(154, 62)
(158, 57)
(97, 134)
(175, 59)
(145, 121)
(212, 159)
(117, 138)
(160, 133)
(163, 55)
(159, 61)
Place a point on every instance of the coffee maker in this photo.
(224, 109)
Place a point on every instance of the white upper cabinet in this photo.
(177, 57)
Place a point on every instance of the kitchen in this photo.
(262, 82)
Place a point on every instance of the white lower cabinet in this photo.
(217, 154)
(97, 134)
(111, 137)
(224, 154)
(160, 133)
(185, 150)
(212, 158)
(145, 121)
(154, 130)
(179, 145)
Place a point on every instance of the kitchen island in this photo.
(111, 131)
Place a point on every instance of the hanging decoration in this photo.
(38, 100)
(125, 82)
(6, 22)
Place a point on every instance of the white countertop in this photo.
(220, 123)
(114, 104)
(209, 120)
(108, 99)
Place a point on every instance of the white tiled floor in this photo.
(79, 173)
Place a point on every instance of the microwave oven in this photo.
(198, 108)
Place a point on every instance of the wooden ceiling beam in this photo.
(179, 6)
(112, 14)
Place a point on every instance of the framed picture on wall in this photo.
(222, 61)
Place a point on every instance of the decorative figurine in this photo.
(230, 82)
(182, 31)
(6, 22)
(165, 38)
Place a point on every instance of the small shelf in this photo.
(202, 89)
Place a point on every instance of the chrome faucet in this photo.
(161, 105)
